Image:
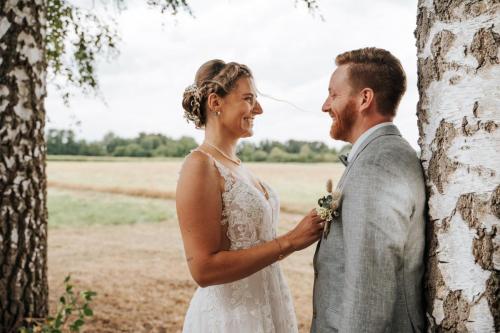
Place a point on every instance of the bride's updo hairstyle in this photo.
(214, 76)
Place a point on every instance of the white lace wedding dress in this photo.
(260, 303)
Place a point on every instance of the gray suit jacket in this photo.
(368, 270)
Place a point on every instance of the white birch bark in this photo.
(23, 213)
(458, 116)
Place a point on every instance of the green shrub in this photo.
(72, 310)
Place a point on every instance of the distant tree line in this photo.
(64, 142)
(289, 151)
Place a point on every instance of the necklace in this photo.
(236, 161)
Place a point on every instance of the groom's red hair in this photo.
(379, 70)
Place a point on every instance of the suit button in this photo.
(315, 274)
(314, 314)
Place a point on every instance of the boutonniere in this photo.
(328, 206)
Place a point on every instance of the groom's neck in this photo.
(365, 123)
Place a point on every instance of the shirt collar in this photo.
(363, 137)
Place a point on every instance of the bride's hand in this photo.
(307, 231)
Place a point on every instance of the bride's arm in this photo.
(199, 205)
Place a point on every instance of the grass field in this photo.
(112, 225)
(85, 208)
(298, 185)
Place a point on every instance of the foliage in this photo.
(72, 310)
(63, 142)
(312, 6)
(289, 151)
(345, 149)
(169, 6)
(77, 38)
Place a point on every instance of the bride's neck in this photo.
(224, 143)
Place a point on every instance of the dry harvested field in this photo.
(137, 267)
(299, 185)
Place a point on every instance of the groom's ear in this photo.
(366, 99)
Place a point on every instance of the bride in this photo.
(228, 217)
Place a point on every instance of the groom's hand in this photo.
(307, 231)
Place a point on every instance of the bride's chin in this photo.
(247, 133)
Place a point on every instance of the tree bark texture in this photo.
(23, 212)
(458, 117)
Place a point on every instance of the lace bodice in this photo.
(260, 303)
(250, 217)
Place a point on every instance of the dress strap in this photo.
(224, 171)
(203, 152)
(229, 181)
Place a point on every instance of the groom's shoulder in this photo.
(389, 149)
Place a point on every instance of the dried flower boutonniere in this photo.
(329, 206)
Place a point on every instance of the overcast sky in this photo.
(290, 52)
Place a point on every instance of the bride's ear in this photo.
(214, 102)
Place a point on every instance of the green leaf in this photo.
(59, 320)
(89, 294)
(75, 327)
(88, 311)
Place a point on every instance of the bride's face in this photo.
(239, 108)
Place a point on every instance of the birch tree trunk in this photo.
(458, 117)
(23, 213)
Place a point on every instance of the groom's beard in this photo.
(345, 120)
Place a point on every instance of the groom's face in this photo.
(340, 105)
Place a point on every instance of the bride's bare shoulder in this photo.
(196, 164)
(198, 179)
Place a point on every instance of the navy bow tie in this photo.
(343, 159)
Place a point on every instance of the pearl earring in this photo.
(217, 113)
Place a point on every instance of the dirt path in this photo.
(140, 275)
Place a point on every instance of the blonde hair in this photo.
(214, 76)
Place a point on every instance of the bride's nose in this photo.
(257, 109)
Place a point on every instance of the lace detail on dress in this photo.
(260, 303)
(229, 181)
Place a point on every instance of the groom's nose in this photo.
(326, 105)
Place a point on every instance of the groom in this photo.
(369, 267)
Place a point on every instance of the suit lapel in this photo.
(386, 130)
